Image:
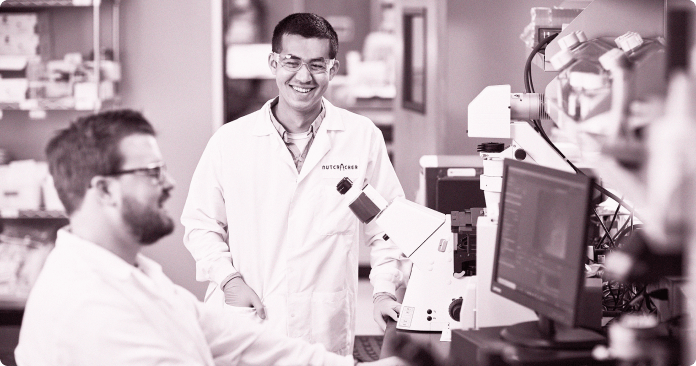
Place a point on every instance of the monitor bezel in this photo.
(568, 317)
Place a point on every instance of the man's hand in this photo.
(384, 306)
(238, 293)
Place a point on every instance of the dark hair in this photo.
(307, 25)
(90, 147)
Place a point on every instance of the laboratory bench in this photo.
(482, 347)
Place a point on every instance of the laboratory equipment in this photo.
(436, 294)
(442, 250)
(498, 113)
(450, 182)
(539, 253)
(625, 114)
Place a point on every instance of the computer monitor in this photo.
(539, 253)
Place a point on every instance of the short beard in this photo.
(145, 223)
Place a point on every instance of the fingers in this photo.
(386, 309)
(258, 305)
(239, 294)
(377, 315)
(380, 321)
(392, 310)
(392, 314)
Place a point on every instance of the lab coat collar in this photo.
(323, 140)
(105, 260)
(332, 120)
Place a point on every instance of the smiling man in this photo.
(264, 220)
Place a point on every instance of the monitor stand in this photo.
(545, 333)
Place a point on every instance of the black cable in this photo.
(615, 198)
(553, 146)
(606, 231)
(631, 302)
(626, 230)
(613, 220)
(529, 87)
(611, 292)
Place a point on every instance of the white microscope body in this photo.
(435, 294)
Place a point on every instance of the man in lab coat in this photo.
(264, 220)
(98, 301)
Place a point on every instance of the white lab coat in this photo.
(291, 235)
(89, 307)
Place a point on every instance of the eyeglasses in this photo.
(294, 63)
(156, 171)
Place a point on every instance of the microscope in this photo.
(442, 248)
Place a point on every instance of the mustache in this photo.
(166, 194)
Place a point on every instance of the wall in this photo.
(166, 55)
(415, 133)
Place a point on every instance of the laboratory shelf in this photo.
(42, 3)
(31, 214)
(57, 104)
(102, 101)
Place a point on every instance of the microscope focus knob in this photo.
(455, 308)
(520, 154)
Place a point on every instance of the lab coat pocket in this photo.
(243, 311)
(331, 320)
(334, 213)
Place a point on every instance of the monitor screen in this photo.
(540, 246)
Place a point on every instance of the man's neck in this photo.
(95, 231)
(295, 121)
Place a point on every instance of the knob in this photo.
(455, 308)
(429, 318)
(520, 154)
(344, 185)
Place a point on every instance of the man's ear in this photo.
(272, 63)
(334, 69)
(103, 188)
